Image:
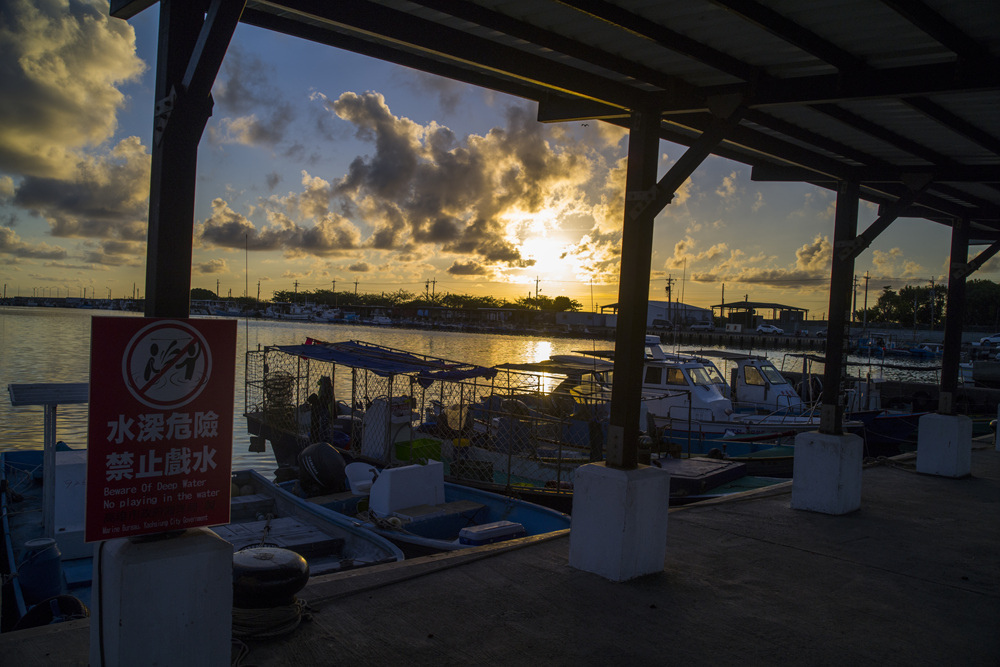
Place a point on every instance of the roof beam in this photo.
(935, 25)
(973, 265)
(784, 28)
(852, 249)
(663, 36)
(126, 9)
(883, 174)
(871, 84)
(548, 39)
(955, 123)
(882, 133)
(372, 49)
(663, 192)
(408, 32)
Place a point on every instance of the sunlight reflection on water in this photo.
(53, 345)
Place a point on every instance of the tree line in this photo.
(910, 306)
(400, 299)
(920, 306)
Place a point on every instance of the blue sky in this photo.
(331, 166)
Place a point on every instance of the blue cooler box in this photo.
(488, 533)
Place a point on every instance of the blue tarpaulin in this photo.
(386, 361)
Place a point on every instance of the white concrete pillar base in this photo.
(163, 602)
(944, 445)
(619, 528)
(826, 476)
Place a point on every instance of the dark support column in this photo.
(193, 40)
(845, 229)
(957, 271)
(174, 167)
(633, 291)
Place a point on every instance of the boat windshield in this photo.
(772, 375)
(705, 376)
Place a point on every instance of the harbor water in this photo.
(53, 345)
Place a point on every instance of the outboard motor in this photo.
(321, 469)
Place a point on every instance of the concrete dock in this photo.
(913, 578)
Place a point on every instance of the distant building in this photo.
(751, 313)
(661, 313)
(678, 314)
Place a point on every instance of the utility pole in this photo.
(670, 300)
(216, 287)
(854, 308)
(536, 286)
(355, 287)
(864, 317)
(932, 304)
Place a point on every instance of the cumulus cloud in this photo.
(12, 245)
(6, 188)
(261, 113)
(729, 188)
(467, 269)
(479, 198)
(105, 197)
(212, 266)
(114, 253)
(447, 91)
(61, 62)
(226, 228)
(809, 271)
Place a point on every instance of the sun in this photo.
(538, 238)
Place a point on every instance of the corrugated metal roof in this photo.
(861, 90)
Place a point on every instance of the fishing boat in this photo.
(686, 401)
(927, 350)
(415, 508)
(520, 432)
(48, 573)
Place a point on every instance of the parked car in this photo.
(821, 333)
(662, 324)
(702, 326)
(769, 329)
(992, 339)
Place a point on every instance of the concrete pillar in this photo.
(619, 528)
(826, 476)
(163, 602)
(944, 445)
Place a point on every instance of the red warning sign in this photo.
(160, 431)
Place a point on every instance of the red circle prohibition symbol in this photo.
(166, 364)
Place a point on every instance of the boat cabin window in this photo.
(654, 375)
(752, 376)
(676, 376)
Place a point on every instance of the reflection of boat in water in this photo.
(54, 574)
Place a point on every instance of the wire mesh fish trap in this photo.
(497, 428)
